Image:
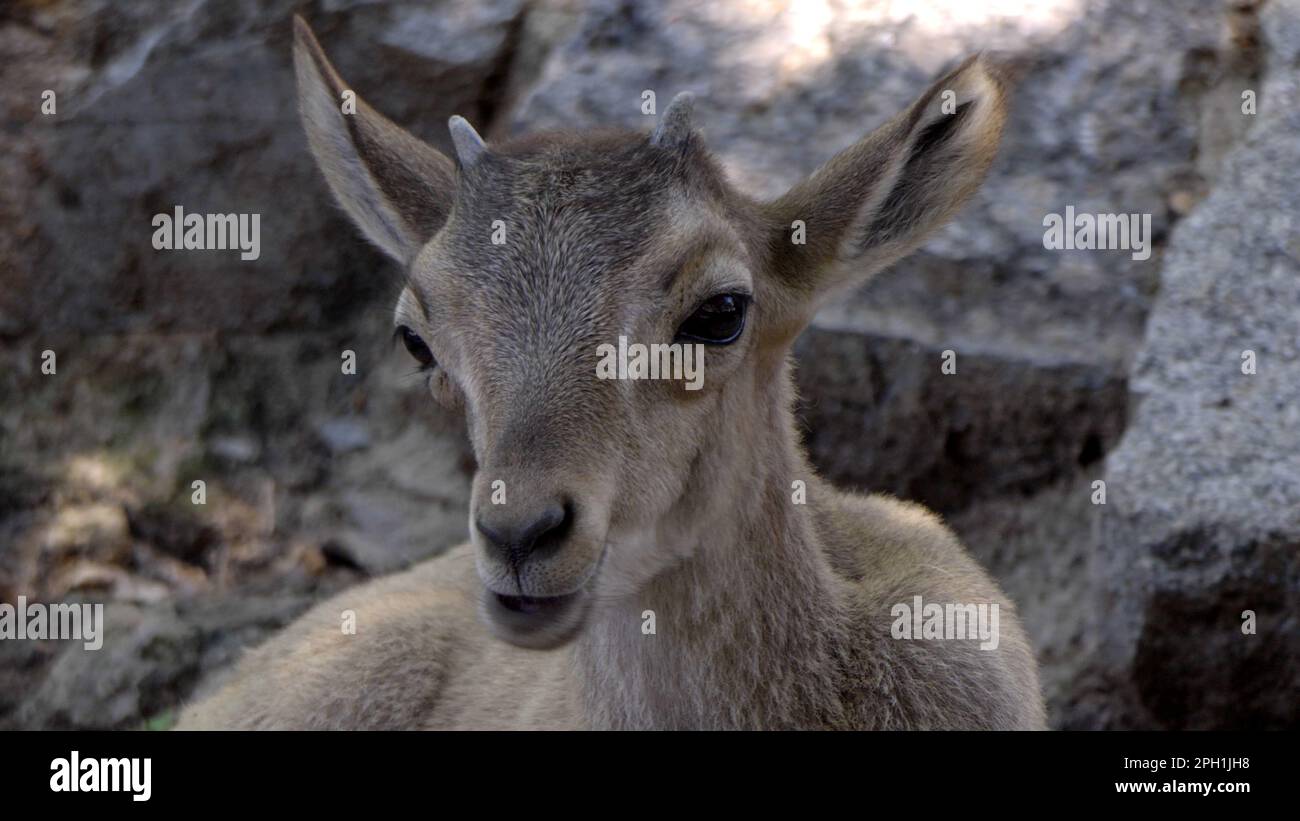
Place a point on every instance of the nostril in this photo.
(553, 528)
(520, 538)
(496, 536)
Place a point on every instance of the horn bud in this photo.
(674, 127)
(470, 147)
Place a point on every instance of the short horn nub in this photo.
(675, 125)
(470, 147)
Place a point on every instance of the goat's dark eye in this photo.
(718, 321)
(415, 345)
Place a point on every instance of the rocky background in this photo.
(1073, 367)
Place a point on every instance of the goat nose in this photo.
(517, 537)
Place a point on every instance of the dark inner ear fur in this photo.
(902, 207)
(418, 181)
(938, 132)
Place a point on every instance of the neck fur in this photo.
(748, 625)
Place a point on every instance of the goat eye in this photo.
(718, 321)
(415, 346)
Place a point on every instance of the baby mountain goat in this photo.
(665, 558)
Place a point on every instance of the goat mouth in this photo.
(540, 622)
(535, 622)
(535, 605)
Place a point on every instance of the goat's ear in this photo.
(878, 199)
(396, 188)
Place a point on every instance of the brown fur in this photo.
(768, 613)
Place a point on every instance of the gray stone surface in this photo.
(1205, 486)
(151, 659)
(879, 413)
(193, 103)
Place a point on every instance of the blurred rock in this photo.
(880, 414)
(180, 578)
(194, 104)
(234, 449)
(151, 658)
(99, 527)
(343, 435)
(383, 512)
(1204, 515)
(175, 530)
